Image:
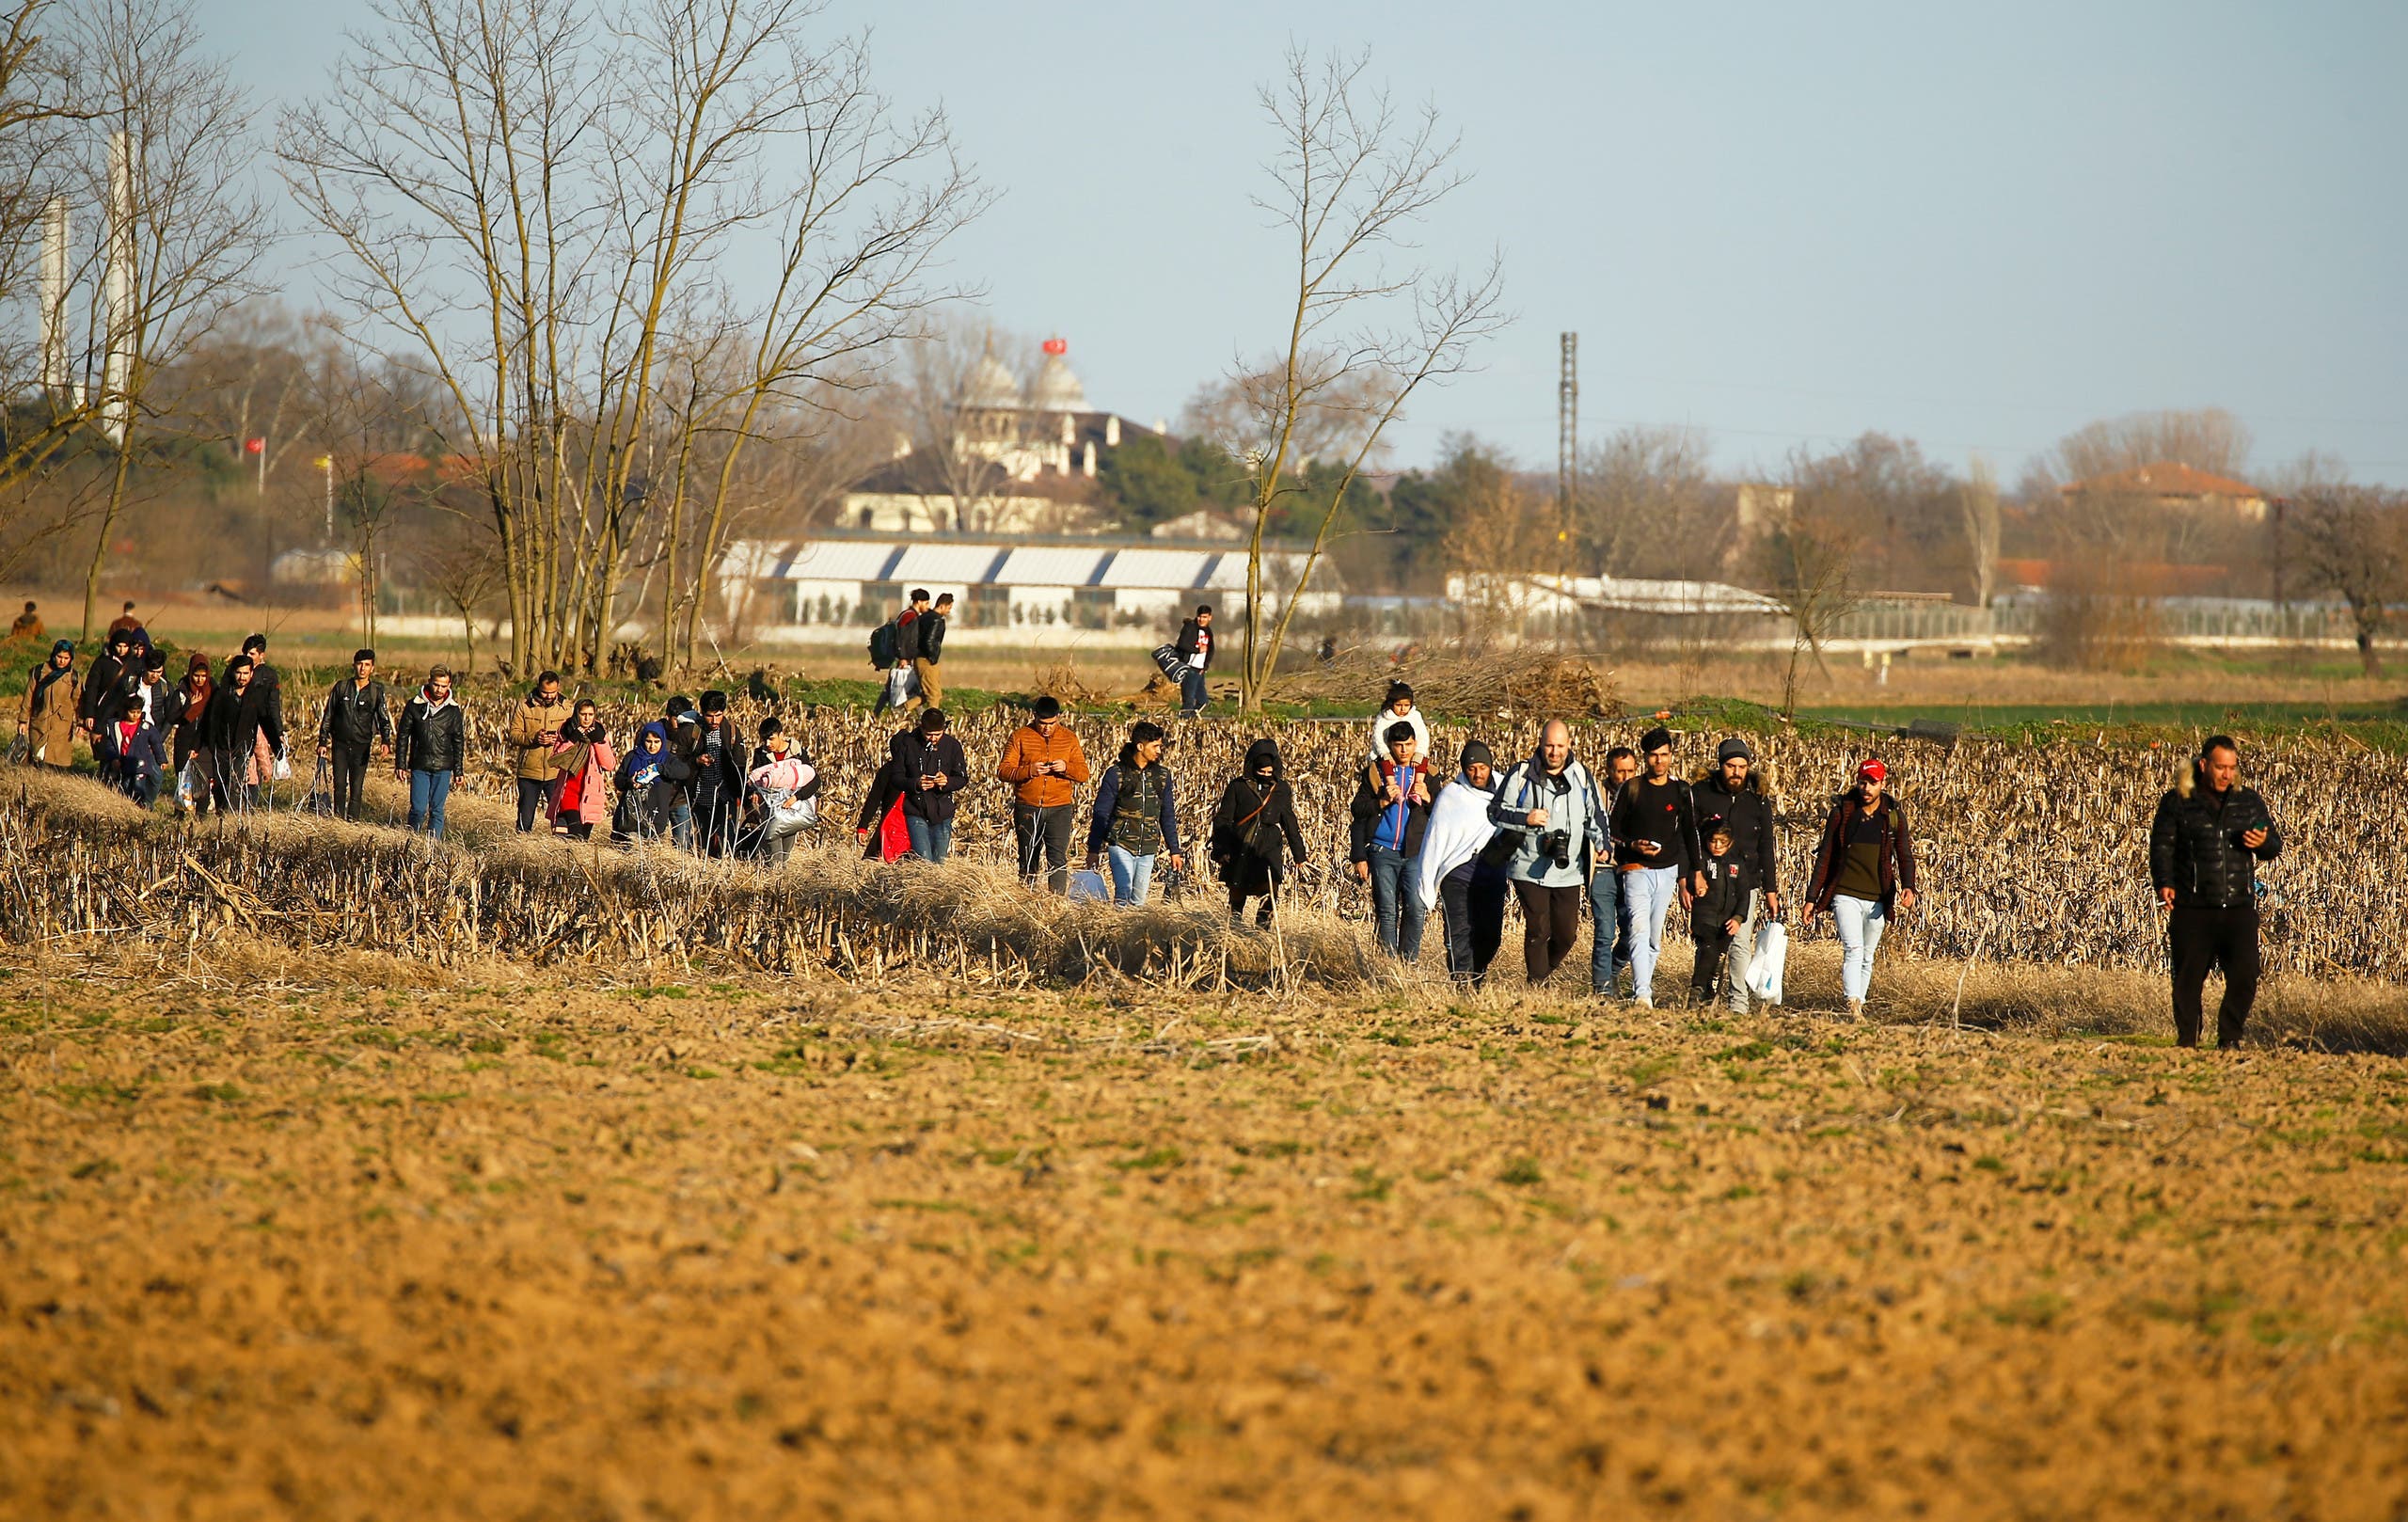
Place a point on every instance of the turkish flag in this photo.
(255, 446)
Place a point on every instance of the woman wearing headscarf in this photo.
(1254, 828)
(1136, 816)
(47, 715)
(583, 762)
(652, 779)
(188, 704)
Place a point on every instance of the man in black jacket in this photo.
(238, 716)
(718, 757)
(1733, 792)
(354, 722)
(270, 685)
(1195, 647)
(430, 747)
(2204, 847)
(927, 766)
(931, 628)
(101, 682)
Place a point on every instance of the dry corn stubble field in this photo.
(409, 1244)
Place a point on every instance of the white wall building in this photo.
(1037, 591)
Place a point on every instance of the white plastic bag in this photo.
(283, 769)
(192, 784)
(1089, 887)
(1773, 954)
(902, 686)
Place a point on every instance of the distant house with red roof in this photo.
(2170, 483)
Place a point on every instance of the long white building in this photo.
(1029, 590)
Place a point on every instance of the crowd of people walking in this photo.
(1633, 839)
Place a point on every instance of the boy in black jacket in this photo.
(1715, 914)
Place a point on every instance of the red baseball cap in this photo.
(1874, 769)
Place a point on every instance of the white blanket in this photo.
(1459, 827)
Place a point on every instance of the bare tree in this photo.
(46, 454)
(1646, 505)
(1501, 533)
(1353, 177)
(2207, 438)
(170, 159)
(465, 574)
(533, 194)
(2353, 543)
(1809, 554)
(1977, 506)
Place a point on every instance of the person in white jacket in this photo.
(1397, 708)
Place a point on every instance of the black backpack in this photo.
(885, 645)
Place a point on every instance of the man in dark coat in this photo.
(354, 722)
(718, 758)
(240, 717)
(926, 766)
(2204, 847)
(430, 748)
(1195, 647)
(1734, 793)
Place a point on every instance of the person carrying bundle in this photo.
(787, 785)
(1461, 866)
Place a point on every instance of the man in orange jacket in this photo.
(1045, 766)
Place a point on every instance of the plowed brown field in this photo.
(550, 1250)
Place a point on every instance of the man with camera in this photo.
(1657, 851)
(1551, 802)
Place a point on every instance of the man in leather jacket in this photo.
(2204, 847)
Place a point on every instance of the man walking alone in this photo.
(2204, 847)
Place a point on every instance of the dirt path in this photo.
(552, 1251)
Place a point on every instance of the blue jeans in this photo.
(1394, 904)
(1860, 922)
(1192, 696)
(1133, 875)
(1652, 892)
(930, 841)
(1605, 925)
(428, 791)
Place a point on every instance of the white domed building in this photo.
(1021, 458)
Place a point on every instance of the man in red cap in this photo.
(1865, 872)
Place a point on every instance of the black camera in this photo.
(1555, 845)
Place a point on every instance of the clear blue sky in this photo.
(1977, 227)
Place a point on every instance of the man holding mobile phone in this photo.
(1044, 764)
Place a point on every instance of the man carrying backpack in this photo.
(894, 648)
